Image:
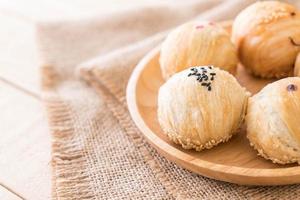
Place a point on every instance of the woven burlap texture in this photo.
(97, 151)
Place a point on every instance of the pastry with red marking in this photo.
(195, 44)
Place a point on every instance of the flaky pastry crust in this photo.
(201, 107)
(273, 121)
(195, 44)
(266, 35)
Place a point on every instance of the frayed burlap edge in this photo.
(120, 113)
(67, 158)
(61, 127)
(116, 102)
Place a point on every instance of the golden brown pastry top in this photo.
(201, 106)
(289, 105)
(265, 34)
(273, 121)
(255, 17)
(196, 44)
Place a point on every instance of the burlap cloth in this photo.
(97, 151)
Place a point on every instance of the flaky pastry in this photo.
(273, 121)
(195, 44)
(267, 36)
(201, 107)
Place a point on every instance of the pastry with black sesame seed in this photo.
(201, 107)
(273, 121)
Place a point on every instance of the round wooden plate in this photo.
(234, 161)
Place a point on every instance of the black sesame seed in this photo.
(203, 77)
(291, 87)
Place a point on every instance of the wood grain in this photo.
(24, 144)
(25, 140)
(234, 161)
(18, 56)
(8, 195)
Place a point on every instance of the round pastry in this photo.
(273, 121)
(201, 107)
(267, 34)
(195, 44)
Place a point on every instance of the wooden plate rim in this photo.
(184, 159)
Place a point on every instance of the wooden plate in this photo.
(234, 161)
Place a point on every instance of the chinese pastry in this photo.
(201, 107)
(195, 44)
(267, 37)
(273, 121)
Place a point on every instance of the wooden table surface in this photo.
(25, 142)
